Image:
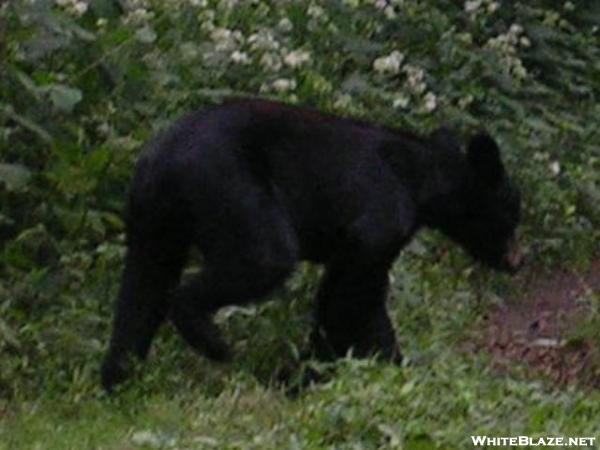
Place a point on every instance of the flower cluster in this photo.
(387, 7)
(390, 63)
(415, 79)
(280, 85)
(74, 7)
(476, 7)
(226, 40)
(296, 58)
(263, 40)
(138, 12)
(415, 85)
(553, 165)
(506, 45)
(270, 49)
(318, 17)
(554, 19)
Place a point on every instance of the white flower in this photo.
(225, 39)
(525, 42)
(551, 18)
(315, 11)
(472, 6)
(104, 129)
(401, 101)
(554, 167)
(80, 8)
(206, 19)
(138, 16)
(318, 83)
(464, 102)
(220, 34)
(263, 40)
(390, 63)
(296, 58)
(467, 38)
(507, 47)
(343, 101)
(151, 439)
(516, 29)
(414, 79)
(285, 25)
(284, 84)
(389, 12)
(271, 61)
(430, 101)
(240, 57)
(222, 38)
(237, 35)
(74, 7)
(207, 14)
(189, 51)
(518, 69)
(207, 26)
(493, 7)
(499, 42)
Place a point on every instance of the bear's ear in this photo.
(483, 155)
(446, 138)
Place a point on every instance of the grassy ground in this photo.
(84, 84)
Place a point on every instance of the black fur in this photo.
(258, 185)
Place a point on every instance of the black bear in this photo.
(257, 185)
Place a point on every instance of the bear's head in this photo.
(484, 208)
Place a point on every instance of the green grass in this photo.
(443, 395)
(81, 94)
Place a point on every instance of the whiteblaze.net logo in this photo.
(528, 441)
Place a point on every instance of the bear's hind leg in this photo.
(251, 255)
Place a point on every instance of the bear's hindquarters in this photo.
(249, 248)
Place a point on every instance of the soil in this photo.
(540, 329)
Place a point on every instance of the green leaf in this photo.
(14, 176)
(356, 83)
(588, 200)
(28, 83)
(146, 35)
(64, 98)
(26, 123)
(8, 335)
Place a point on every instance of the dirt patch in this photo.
(538, 329)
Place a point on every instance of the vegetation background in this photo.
(84, 83)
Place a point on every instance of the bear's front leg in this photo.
(152, 268)
(351, 312)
